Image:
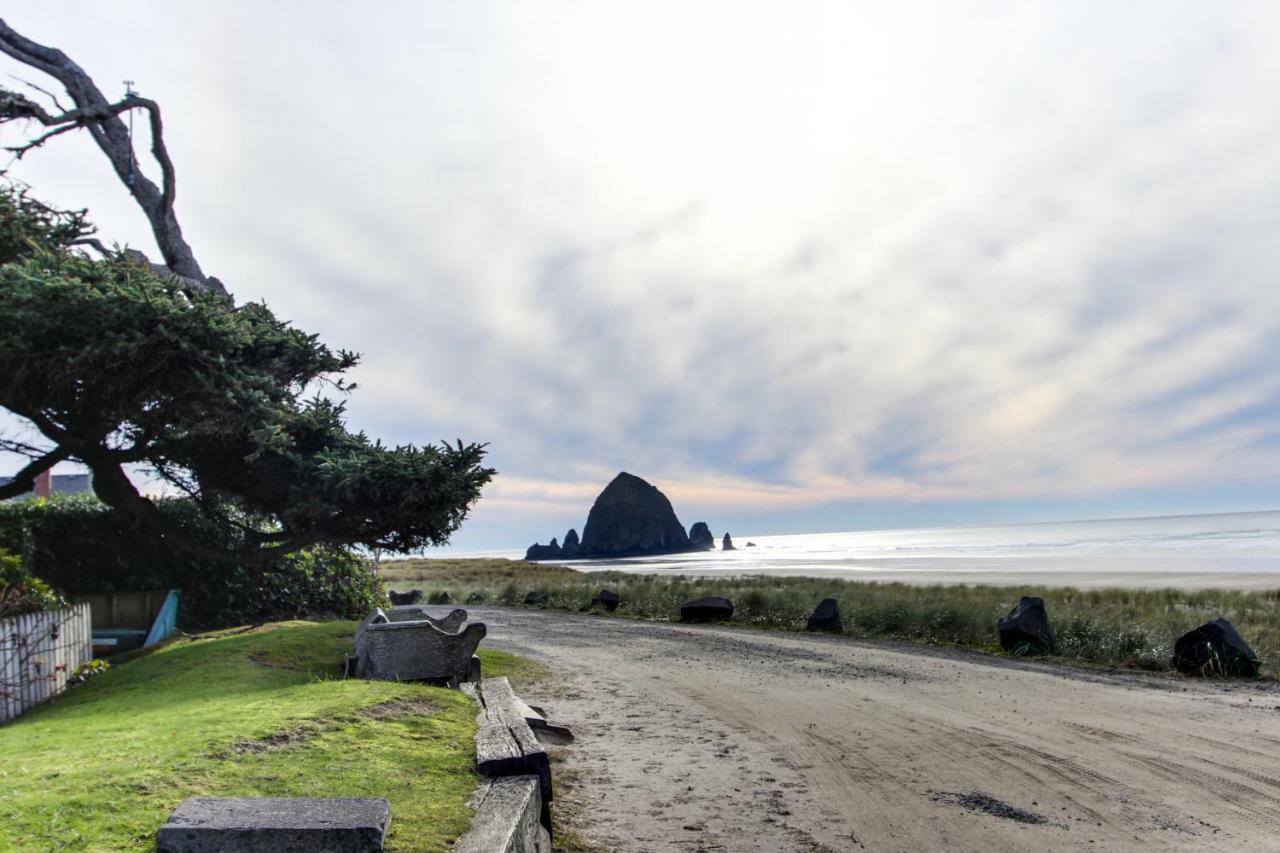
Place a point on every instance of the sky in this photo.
(805, 266)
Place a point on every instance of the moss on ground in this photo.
(260, 712)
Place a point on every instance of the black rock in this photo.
(441, 598)
(475, 597)
(570, 546)
(700, 538)
(711, 608)
(751, 544)
(632, 518)
(826, 617)
(413, 596)
(727, 544)
(1026, 629)
(537, 596)
(607, 599)
(544, 552)
(1215, 648)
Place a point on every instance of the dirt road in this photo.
(698, 738)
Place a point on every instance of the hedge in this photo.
(78, 545)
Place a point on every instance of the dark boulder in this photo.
(632, 518)
(570, 546)
(1215, 648)
(413, 596)
(537, 596)
(700, 537)
(1026, 629)
(826, 617)
(711, 608)
(440, 598)
(607, 599)
(544, 552)
(727, 544)
(475, 598)
(749, 544)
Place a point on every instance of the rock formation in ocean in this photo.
(544, 552)
(727, 545)
(632, 518)
(700, 537)
(570, 547)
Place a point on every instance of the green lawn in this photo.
(260, 713)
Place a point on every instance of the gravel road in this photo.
(699, 738)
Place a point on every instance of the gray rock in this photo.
(711, 608)
(1025, 630)
(727, 544)
(417, 650)
(413, 596)
(608, 599)
(537, 596)
(631, 518)
(826, 617)
(275, 825)
(1215, 648)
(700, 537)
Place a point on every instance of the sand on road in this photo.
(709, 738)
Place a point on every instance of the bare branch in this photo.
(25, 480)
(50, 95)
(95, 243)
(102, 119)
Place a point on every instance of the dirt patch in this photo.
(977, 801)
(273, 741)
(396, 708)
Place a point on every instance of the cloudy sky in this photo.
(803, 265)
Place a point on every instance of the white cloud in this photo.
(767, 254)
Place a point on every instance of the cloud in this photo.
(769, 255)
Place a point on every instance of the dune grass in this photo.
(263, 712)
(1114, 627)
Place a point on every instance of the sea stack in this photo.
(727, 545)
(570, 546)
(701, 538)
(632, 518)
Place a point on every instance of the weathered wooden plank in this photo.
(508, 818)
(505, 745)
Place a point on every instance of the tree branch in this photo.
(102, 119)
(25, 480)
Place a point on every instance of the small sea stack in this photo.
(727, 544)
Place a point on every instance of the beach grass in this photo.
(1112, 627)
(256, 712)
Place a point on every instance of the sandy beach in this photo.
(698, 739)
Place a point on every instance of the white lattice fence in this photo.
(38, 652)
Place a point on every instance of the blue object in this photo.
(166, 620)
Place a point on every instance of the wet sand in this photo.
(699, 738)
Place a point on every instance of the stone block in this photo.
(276, 825)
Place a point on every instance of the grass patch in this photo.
(256, 713)
(1112, 627)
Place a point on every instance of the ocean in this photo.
(1189, 551)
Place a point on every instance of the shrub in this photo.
(22, 592)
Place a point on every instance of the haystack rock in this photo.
(632, 518)
(700, 537)
(570, 546)
(727, 545)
